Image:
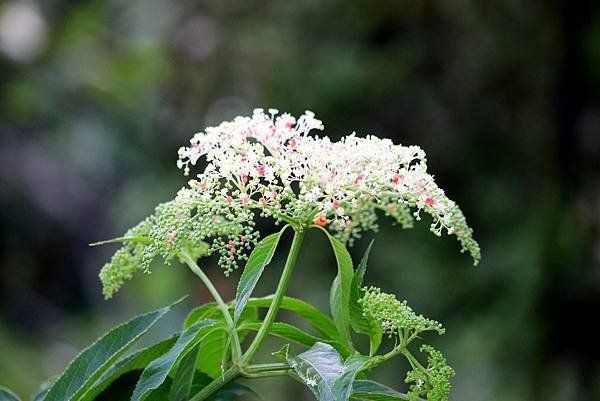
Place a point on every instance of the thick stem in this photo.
(266, 370)
(236, 347)
(229, 375)
(278, 297)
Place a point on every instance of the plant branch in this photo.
(236, 347)
(278, 296)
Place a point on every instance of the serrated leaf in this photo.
(259, 258)
(184, 376)
(85, 369)
(317, 319)
(339, 297)
(319, 368)
(373, 391)
(136, 361)
(156, 373)
(7, 395)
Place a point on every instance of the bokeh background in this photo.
(96, 97)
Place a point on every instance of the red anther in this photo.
(289, 125)
(336, 203)
(244, 178)
(320, 220)
(430, 201)
(397, 179)
(229, 199)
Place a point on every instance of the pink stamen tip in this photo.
(336, 204)
(262, 200)
(430, 201)
(229, 199)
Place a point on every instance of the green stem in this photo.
(236, 347)
(278, 297)
(229, 375)
(266, 370)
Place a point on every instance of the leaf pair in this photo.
(329, 378)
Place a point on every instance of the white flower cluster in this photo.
(271, 163)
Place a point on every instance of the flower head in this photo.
(270, 165)
(394, 317)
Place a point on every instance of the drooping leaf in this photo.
(319, 368)
(317, 319)
(339, 297)
(259, 258)
(184, 376)
(156, 373)
(89, 365)
(373, 391)
(136, 361)
(7, 395)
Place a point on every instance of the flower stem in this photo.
(236, 347)
(278, 297)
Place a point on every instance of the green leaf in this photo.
(136, 361)
(214, 349)
(85, 369)
(342, 388)
(260, 257)
(359, 322)
(156, 373)
(182, 382)
(206, 311)
(317, 319)
(319, 368)
(288, 332)
(373, 391)
(7, 395)
(214, 345)
(339, 297)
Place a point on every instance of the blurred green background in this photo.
(96, 97)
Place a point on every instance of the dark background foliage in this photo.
(96, 97)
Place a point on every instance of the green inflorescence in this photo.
(432, 382)
(395, 318)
